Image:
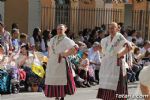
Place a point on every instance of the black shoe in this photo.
(137, 79)
(56, 98)
(78, 84)
(88, 84)
(92, 83)
(15, 88)
(82, 85)
(62, 98)
(96, 81)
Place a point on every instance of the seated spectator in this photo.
(36, 40)
(45, 38)
(128, 64)
(92, 37)
(132, 35)
(5, 39)
(100, 35)
(15, 26)
(139, 39)
(87, 42)
(81, 38)
(15, 40)
(137, 55)
(23, 39)
(23, 59)
(146, 47)
(137, 66)
(134, 41)
(130, 75)
(146, 59)
(94, 57)
(2, 57)
(84, 66)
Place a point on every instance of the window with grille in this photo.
(62, 12)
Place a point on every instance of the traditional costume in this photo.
(113, 78)
(59, 79)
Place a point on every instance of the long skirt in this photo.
(120, 93)
(61, 90)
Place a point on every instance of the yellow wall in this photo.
(47, 2)
(16, 11)
(47, 14)
(139, 6)
(86, 15)
(120, 6)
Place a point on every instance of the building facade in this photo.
(136, 14)
(76, 14)
(31, 13)
(141, 17)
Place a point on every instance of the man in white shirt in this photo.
(146, 47)
(95, 61)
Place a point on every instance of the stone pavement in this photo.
(82, 94)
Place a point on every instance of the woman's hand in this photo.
(119, 55)
(127, 49)
(22, 62)
(69, 52)
(63, 54)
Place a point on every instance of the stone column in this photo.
(34, 17)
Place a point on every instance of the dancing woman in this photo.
(113, 80)
(59, 79)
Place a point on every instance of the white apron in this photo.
(109, 72)
(56, 72)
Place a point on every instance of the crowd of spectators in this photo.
(19, 50)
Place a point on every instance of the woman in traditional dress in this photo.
(113, 81)
(59, 79)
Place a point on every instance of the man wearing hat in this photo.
(94, 58)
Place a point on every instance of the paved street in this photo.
(82, 94)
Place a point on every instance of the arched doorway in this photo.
(62, 12)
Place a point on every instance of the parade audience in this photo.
(139, 39)
(15, 39)
(94, 58)
(35, 40)
(5, 39)
(84, 67)
(87, 61)
(45, 38)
